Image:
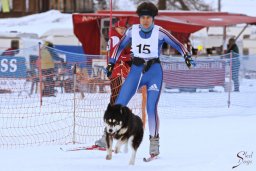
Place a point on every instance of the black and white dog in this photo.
(124, 126)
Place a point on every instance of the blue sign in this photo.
(12, 67)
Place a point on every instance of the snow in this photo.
(186, 144)
(125, 4)
(43, 22)
(195, 135)
(37, 23)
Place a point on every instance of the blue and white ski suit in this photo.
(145, 45)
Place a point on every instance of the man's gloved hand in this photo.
(189, 61)
(109, 69)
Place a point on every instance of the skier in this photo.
(146, 41)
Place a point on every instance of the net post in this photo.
(230, 78)
(40, 74)
(74, 109)
(110, 30)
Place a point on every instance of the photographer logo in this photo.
(244, 158)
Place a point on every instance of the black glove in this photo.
(129, 63)
(109, 69)
(189, 61)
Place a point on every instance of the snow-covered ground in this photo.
(197, 133)
(37, 23)
(41, 23)
(208, 144)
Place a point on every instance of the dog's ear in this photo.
(125, 110)
(107, 110)
(109, 106)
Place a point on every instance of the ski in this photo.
(151, 158)
(93, 147)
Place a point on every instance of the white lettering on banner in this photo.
(14, 84)
(176, 74)
(86, 19)
(4, 65)
(8, 66)
(177, 66)
(13, 65)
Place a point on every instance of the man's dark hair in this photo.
(15, 44)
(147, 8)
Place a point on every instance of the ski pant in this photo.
(153, 80)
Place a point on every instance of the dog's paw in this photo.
(132, 162)
(108, 157)
(117, 150)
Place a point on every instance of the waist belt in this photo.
(139, 61)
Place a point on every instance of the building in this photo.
(18, 8)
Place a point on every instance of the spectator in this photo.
(190, 48)
(233, 48)
(124, 62)
(13, 50)
(47, 66)
(121, 69)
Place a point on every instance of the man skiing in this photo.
(146, 40)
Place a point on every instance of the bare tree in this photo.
(162, 4)
(100, 5)
(191, 5)
(105, 4)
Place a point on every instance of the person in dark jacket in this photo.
(121, 69)
(13, 50)
(233, 48)
(48, 58)
(47, 66)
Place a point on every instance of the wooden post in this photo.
(230, 78)
(19, 5)
(74, 109)
(40, 74)
(144, 105)
(224, 43)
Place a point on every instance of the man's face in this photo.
(146, 21)
(121, 30)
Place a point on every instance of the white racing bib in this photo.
(145, 48)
